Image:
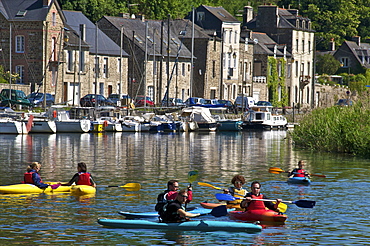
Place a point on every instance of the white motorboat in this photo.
(41, 123)
(261, 117)
(202, 116)
(11, 126)
(65, 124)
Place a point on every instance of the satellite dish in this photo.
(255, 41)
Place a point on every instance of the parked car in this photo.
(91, 100)
(173, 102)
(13, 98)
(124, 99)
(37, 99)
(244, 101)
(193, 101)
(227, 104)
(344, 102)
(263, 103)
(140, 102)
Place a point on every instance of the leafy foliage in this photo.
(336, 129)
(327, 64)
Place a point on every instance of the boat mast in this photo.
(145, 59)
(191, 58)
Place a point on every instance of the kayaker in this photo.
(171, 194)
(237, 190)
(299, 172)
(32, 176)
(174, 211)
(82, 177)
(249, 204)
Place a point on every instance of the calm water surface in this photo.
(339, 218)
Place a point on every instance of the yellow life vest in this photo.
(242, 192)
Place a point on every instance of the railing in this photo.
(259, 79)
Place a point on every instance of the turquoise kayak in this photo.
(299, 180)
(129, 215)
(193, 225)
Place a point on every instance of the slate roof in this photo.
(154, 33)
(221, 14)
(185, 27)
(106, 46)
(25, 10)
(266, 45)
(360, 52)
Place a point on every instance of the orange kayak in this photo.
(213, 205)
(259, 215)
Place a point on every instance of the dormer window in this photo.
(303, 24)
(21, 13)
(297, 23)
(201, 16)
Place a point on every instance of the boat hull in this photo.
(258, 215)
(229, 125)
(30, 188)
(12, 127)
(82, 190)
(299, 180)
(45, 126)
(71, 126)
(194, 225)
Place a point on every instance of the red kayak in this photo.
(259, 215)
(213, 205)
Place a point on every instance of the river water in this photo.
(339, 218)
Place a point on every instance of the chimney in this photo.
(357, 39)
(332, 45)
(293, 12)
(247, 14)
(45, 3)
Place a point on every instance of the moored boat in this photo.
(299, 180)
(30, 188)
(193, 225)
(262, 215)
(261, 117)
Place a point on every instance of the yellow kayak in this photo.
(30, 188)
(82, 189)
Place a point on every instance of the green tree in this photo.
(327, 64)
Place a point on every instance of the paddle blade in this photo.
(209, 185)
(192, 176)
(305, 203)
(282, 207)
(131, 186)
(225, 197)
(276, 170)
(219, 211)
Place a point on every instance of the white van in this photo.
(248, 102)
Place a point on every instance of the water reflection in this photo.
(153, 159)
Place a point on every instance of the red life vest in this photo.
(299, 173)
(84, 179)
(256, 205)
(28, 178)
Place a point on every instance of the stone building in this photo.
(158, 63)
(207, 48)
(227, 28)
(31, 34)
(101, 69)
(285, 26)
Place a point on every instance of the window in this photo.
(296, 69)
(105, 68)
(96, 66)
(53, 49)
(20, 71)
(236, 37)
(53, 76)
(200, 16)
(183, 69)
(230, 36)
(70, 60)
(150, 92)
(54, 21)
(19, 44)
(82, 61)
(344, 61)
(213, 69)
(296, 44)
(302, 46)
(309, 47)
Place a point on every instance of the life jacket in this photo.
(299, 173)
(28, 178)
(256, 205)
(166, 216)
(161, 202)
(242, 192)
(84, 179)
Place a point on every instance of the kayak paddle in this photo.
(128, 186)
(192, 176)
(277, 170)
(219, 211)
(227, 197)
(209, 185)
(299, 203)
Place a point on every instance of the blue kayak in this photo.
(193, 225)
(299, 180)
(129, 215)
